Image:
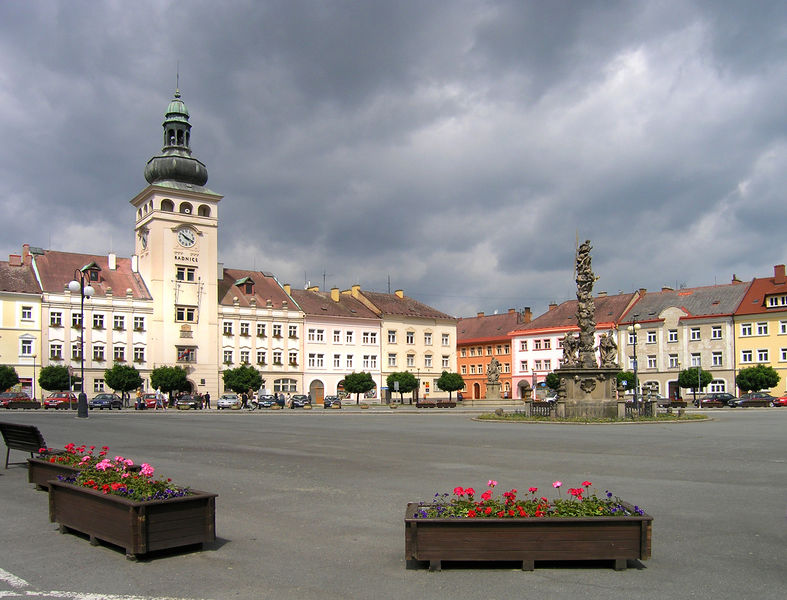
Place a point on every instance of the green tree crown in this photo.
(358, 383)
(122, 378)
(242, 379)
(407, 383)
(169, 379)
(450, 382)
(754, 379)
(8, 377)
(54, 378)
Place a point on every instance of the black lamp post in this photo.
(633, 329)
(78, 285)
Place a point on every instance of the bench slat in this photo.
(26, 438)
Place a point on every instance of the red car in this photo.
(148, 400)
(14, 399)
(779, 401)
(61, 400)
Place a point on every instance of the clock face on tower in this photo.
(186, 237)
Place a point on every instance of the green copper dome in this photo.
(175, 162)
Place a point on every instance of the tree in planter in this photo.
(358, 383)
(754, 379)
(169, 379)
(123, 379)
(553, 381)
(8, 377)
(450, 382)
(54, 378)
(694, 378)
(407, 383)
(242, 379)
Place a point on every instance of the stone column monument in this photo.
(493, 380)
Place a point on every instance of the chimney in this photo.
(269, 303)
(667, 288)
(552, 305)
(135, 264)
(528, 315)
(480, 314)
(602, 294)
(26, 253)
(399, 293)
(511, 311)
(778, 275)
(335, 294)
(642, 291)
(735, 279)
(314, 288)
(284, 304)
(14, 260)
(287, 288)
(355, 290)
(112, 261)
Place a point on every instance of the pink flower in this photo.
(104, 465)
(557, 484)
(586, 483)
(470, 492)
(457, 490)
(147, 470)
(491, 483)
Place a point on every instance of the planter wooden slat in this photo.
(527, 539)
(40, 471)
(139, 527)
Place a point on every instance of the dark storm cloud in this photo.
(456, 149)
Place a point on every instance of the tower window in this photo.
(185, 208)
(167, 205)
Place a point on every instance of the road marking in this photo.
(12, 580)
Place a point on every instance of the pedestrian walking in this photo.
(244, 398)
(160, 400)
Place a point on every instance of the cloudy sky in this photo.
(454, 148)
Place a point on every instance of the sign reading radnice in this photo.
(179, 256)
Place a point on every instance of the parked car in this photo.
(13, 399)
(147, 400)
(329, 401)
(106, 400)
(266, 400)
(663, 400)
(188, 401)
(782, 401)
(61, 400)
(724, 397)
(228, 400)
(753, 399)
(300, 400)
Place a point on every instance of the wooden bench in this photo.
(26, 438)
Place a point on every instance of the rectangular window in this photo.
(428, 361)
(716, 359)
(188, 314)
(472, 351)
(76, 351)
(292, 332)
(410, 336)
(537, 365)
(745, 329)
(523, 346)
(499, 349)
(547, 365)
(245, 328)
(411, 360)
(447, 340)
(119, 323)
(186, 273)
(27, 313)
(261, 330)
(349, 337)
(472, 369)
(26, 348)
(319, 335)
(76, 320)
(227, 327)
(672, 335)
(98, 321)
(139, 323)
(337, 336)
(673, 361)
(56, 319)
(261, 357)
(746, 356)
(427, 339)
(369, 337)
(463, 352)
(277, 357)
(392, 360)
(464, 369)
(523, 365)
(276, 331)
(715, 332)
(536, 344)
(632, 337)
(651, 361)
(139, 355)
(651, 336)
(98, 385)
(782, 326)
(369, 361)
(489, 350)
(783, 354)
(228, 357)
(245, 356)
(56, 351)
(187, 354)
(506, 367)
(337, 361)
(119, 353)
(547, 344)
(762, 328)
(694, 334)
(391, 336)
(696, 360)
(98, 353)
(445, 362)
(349, 361)
(762, 355)
(292, 356)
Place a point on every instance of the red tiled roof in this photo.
(56, 269)
(265, 288)
(754, 301)
(20, 279)
(609, 309)
(391, 304)
(318, 304)
(487, 327)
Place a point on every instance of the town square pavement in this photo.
(311, 504)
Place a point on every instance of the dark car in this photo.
(299, 401)
(330, 401)
(266, 400)
(753, 399)
(710, 399)
(105, 400)
(61, 400)
(186, 402)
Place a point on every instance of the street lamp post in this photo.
(633, 329)
(78, 285)
(33, 382)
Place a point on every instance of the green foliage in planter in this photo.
(122, 378)
(358, 383)
(242, 379)
(753, 379)
(450, 382)
(691, 379)
(169, 379)
(407, 383)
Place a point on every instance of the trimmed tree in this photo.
(242, 379)
(169, 379)
(626, 379)
(754, 379)
(553, 381)
(407, 383)
(694, 378)
(122, 378)
(54, 378)
(8, 377)
(358, 383)
(450, 382)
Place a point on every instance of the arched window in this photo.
(185, 208)
(167, 205)
(203, 210)
(170, 141)
(139, 213)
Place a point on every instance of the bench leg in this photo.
(620, 564)
(93, 541)
(528, 565)
(7, 452)
(435, 565)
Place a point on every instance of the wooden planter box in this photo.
(527, 540)
(25, 404)
(139, 527)
(41, 472)
(712, 404)
(678, 403)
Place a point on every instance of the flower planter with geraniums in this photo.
(51, 464)
(120, 503)
(579, 526)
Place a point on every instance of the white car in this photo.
(228, 400)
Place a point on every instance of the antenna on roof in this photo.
(389, 284)
(576, 253)
(177, 75)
